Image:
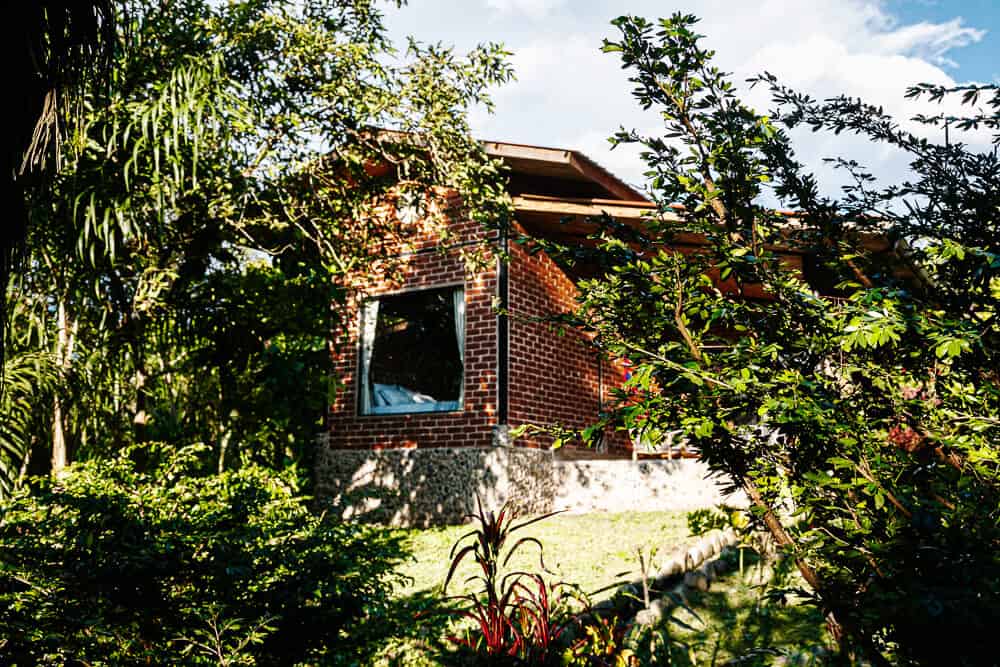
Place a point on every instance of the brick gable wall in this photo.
(421, 263)
(553, 378)
(556, 377)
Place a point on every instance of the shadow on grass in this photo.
(733, 624)
(729, 624)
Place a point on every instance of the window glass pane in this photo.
(415, 361)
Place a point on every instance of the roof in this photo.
(557, 192)
(559, 172)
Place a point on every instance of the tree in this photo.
(856, 405)
(52, 46)
(183, 260)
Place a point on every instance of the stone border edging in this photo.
(698, 565)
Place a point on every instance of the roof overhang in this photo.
(565, 219)
(557, 163)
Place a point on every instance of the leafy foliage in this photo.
(28, 380)
(838, 364)
(602, 640)
(219, 184)
(705, 520)
(150, 558)
(517, 617)
(54, 47)
(520, 617)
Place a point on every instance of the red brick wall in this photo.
(423, 265)
(554, 379)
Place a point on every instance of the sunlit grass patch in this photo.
(592, 551)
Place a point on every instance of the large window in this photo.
(413, 352)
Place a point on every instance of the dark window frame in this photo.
(361, 374)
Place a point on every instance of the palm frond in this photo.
(50, 46)
(28, 379)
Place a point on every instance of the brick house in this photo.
(438, 362)
(429, 358)
(444, 351)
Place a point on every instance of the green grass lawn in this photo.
(595, 551)
(592, 551)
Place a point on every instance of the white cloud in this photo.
(569, 94)
(535, 9)
(930, 41)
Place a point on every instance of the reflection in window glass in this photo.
(412, 352)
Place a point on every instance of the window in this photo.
(413, 352)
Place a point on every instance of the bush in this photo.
(520, 618)
(516, 621)
(149, 558)
(853, 400)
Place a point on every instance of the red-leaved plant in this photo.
(516, 615)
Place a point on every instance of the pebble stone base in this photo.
(423, 487)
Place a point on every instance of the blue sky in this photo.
(977, 61)
(570, 95)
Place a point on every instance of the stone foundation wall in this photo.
(623, 485)
(433, 486)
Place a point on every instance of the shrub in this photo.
(517, 617)
(148, 558)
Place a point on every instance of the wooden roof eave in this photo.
(564, 219)
(561, 216)
(563, 163)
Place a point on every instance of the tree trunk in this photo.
(140, 417)
(781, 537)
(60, 456)
(65, 340)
